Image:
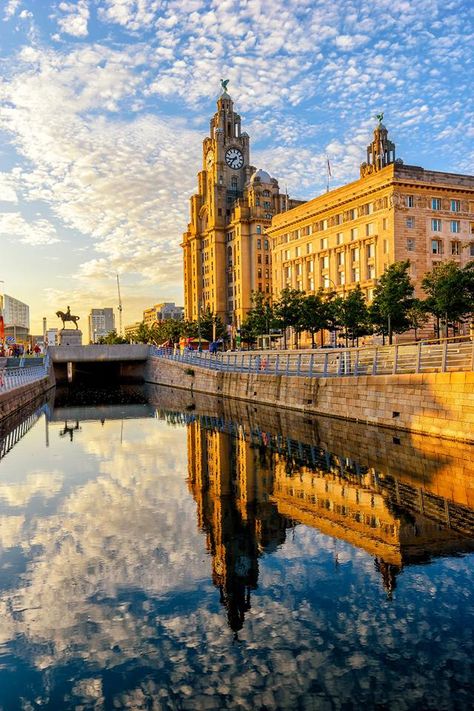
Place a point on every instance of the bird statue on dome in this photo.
(224, 83)
(379, 118)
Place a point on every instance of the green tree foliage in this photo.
(314, 314)
(112, 339)
(353, 315)
(417, 316)
(393, 296)
(287, 309)
(260, 318)
(450, 292)
(211, 325)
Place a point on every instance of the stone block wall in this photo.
(439, 404)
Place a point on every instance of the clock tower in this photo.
(226, 255)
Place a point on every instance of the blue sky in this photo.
(104, 105)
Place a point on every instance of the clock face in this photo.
(234, 158)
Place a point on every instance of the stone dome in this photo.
(262, 175)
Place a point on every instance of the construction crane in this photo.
(119, 305)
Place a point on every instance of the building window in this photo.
(455, 226)
(354, 233)
(259, 273)
(385, 246)
(370, 250)
(287, 254)
(385, 223)
(455, 205)
(268, 216)
(371, 271)
(369, 229)
(298, 251)
(267, 259)
(410, 245)
(455, 248)
(266, 193)
(340, 259)
(355, 254)
(352, 214)
(309, 248)
(259, 229)
(324, 243)
(436, 225)
(325, 263)
(324, 225)
(471, 250)
(311, 284)
(436, 246)
(299, 269)
(370, 208)
(259, 244)
(410, 222)
(436, 203)
(340, 238)
(355, 275)
(259, 258)
(310, 267)
(326, 282)
(410, 200)
(265, 244)
(342, 278)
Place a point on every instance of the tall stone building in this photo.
(226, 251)
(393, 212)
(101, 323)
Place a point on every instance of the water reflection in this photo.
(182, 552)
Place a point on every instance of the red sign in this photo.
(2, 329)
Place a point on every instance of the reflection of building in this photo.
(101, 323)
(162, 312)
(16, 316)
(393, 212)
(232, 485)
(237, 482)
(226, 252)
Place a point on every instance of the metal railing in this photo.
(11, 378)
(439, 357)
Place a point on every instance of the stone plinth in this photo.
(70, 337)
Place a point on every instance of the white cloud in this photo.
(35, 233)
(10, 9)
(75, 18)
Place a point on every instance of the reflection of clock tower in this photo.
(226, 255)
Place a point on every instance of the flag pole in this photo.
(328, 171)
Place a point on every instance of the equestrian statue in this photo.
(67, 316)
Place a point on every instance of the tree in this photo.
(417, 316)
(142, 333)
(112, 339)
(314, 314)
(211, 326)
(287, 310)
(260, 318)
(450, 292)
(354, 315)
(393, 296)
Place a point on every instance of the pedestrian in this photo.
(37, 350)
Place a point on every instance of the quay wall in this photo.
(13, 400)
(438, 404)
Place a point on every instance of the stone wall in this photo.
(16, 399)
(440, 404)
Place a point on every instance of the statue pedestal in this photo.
(70, 337)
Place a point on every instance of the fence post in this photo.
(395, 359)
(418, 359)
(287, 364)
(356, 363)
(374, 364)
(325, 366)
(444, 357)
(311, 363)
(257, 364)
(277, 363)
(298, 369)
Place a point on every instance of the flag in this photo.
(2, 329)
(329, 167)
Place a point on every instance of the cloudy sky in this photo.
(104, 104)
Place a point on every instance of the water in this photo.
(188, 553)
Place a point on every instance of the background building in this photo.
(226, 252)
(162, 312)
(393, 212)
(101, 323)
(131, 328)
(16, 316)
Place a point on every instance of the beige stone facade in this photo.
(394, 212)
(226, 251)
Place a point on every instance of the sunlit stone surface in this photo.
(194, 554)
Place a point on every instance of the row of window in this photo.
(436, 203)
(437, 225)
(437, 247)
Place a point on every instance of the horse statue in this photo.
(67, 316)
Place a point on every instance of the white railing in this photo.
(439, 357)
(12, 378)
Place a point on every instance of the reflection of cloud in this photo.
(43, 484)
(11, 531)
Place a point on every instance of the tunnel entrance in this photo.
(93, 373)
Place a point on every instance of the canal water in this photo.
(165, 551)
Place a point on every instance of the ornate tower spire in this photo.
(380, 153)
